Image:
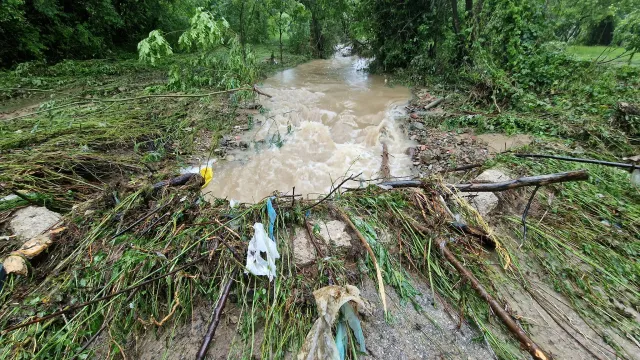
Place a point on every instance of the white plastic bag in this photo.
(261, 243)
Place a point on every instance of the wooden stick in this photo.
(364, 242)
(630, 167)
(313, 239)
(211, 331)
(539, 180)
(385, 171)
(525, 341)
(433, 103)
(330, 193)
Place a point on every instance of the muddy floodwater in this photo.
(326, 119)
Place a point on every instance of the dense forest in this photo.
(508, 47)
(115, 116)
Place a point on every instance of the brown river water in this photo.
(327, 119)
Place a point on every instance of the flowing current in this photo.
(326, 119)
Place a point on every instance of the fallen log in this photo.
(513, 327)
(539, 180)
(217, 313)
(434, 103)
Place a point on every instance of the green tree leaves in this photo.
(153, 47)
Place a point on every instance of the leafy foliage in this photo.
(628, 33)
(153, 47)
(227, 69)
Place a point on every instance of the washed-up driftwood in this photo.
(540, 180)
(513, 327)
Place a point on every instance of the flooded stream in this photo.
(326, 119)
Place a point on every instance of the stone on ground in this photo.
(486, 202)
(32, 221)
(303, 251)
(335, 233)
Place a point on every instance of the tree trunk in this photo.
(457, 29)
(242, 33)
(455, 17)
(468, 9)
(280, 29)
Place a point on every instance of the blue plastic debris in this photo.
(272, 218)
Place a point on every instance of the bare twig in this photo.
(462, 168)
(524, 215)
(211, 331)
(525, 341)
(313, 238)
(331, 192)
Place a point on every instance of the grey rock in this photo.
(32, 221)
(303, 251)
(486, 202)
(417, 125)
(426, 157)
(335, 233)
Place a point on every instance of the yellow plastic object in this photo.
(207, 174)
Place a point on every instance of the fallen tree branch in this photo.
(106, 297)
(539, 180)
(434, 103)
(628, 166)
(255, 88)
(366, 245)
(330, 193)
(211, 331)
(513, 327)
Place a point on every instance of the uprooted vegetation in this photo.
(148, 234)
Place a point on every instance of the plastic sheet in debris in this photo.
(261, 243)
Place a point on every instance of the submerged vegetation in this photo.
(87, 138)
